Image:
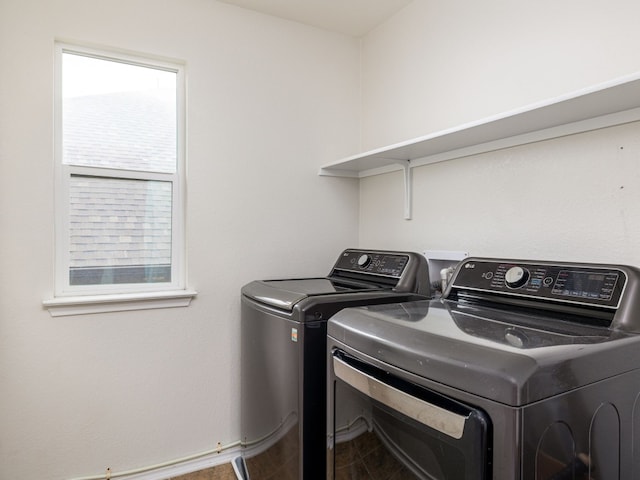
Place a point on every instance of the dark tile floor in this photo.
(366, 458)
(221, 472)
(363, 458)
(279, 462)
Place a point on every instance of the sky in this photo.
(84, 75)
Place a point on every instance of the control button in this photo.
(364, 260)
(515, 338)
(487, 275)
(547, 281)
(516, 277)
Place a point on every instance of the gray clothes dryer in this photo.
(283, 369)
(524, 370)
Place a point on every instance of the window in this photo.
(120, 173)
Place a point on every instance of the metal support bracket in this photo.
(406, 165)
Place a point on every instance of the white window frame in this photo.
(81, 299)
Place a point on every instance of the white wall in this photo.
(268, 102)
(437, 65)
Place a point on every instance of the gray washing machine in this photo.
(283, 370)
(524, 370)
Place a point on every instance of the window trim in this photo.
(89, 304)
(118, 297)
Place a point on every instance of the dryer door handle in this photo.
(438, 418)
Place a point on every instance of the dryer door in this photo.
(411, 432)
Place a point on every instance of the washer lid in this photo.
(503, 356)
(285, 294)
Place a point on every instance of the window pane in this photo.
(120, 231)
(118, 115)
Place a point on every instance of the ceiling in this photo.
(351, 17)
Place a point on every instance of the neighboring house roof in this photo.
(129, 130)
(117, 222)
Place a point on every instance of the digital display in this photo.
(585, 284)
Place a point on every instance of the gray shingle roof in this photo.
(117, 222)
(129, 130)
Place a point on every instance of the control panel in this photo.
(374, 263)
(573, 283)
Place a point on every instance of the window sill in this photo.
(83, 305)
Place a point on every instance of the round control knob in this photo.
(516, 277)
(364, 260)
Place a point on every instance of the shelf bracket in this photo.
(406, 166)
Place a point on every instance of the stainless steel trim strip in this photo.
(371, 274)
(430, 415)
(538, 297)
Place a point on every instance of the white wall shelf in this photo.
(604, 105)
